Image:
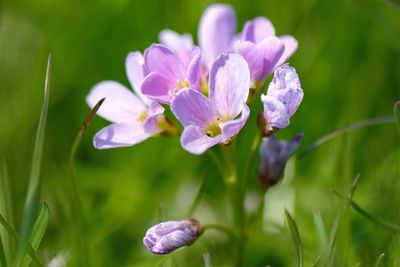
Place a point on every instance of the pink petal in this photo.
(121, 104)
(180, 44)
(120, 135)
(257, 30)
(216, 31)
(157, 87)
(194, 67)
(273, 50)
(150, 124)
(193, 108)
(229, 84)
(290, 44)
(254, 57)
(159, 58)
(233, 127)
(134, 65)
(195, 140)
(275, 112)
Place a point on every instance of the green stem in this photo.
(218, 228)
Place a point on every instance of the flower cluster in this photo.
(206, 86)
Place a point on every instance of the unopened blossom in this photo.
(283, 97)
(274, 156)
(168, 74)
(134, 117)
(215, 119)
(165, 237)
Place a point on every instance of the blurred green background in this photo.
(349, 65)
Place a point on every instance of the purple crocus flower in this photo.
(282, 100)
(213, 120)
(165, 237)
(274, 155)
(133, 116)
(168, 74)
(262, 49)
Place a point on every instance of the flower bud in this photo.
(274, 155)
(165, 237)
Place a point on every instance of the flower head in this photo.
(214, 119)
(165, 237)
(282, 100)
(134, 117)
(168, 74)
(181, 45)
(274, 155)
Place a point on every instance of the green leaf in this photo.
(296, 238)
(379, 259)
(6, 210)
(396, 111)
(15, 236)
(32, 200)
(38, 231)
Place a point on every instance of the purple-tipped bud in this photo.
(286, 87)
(165, 237)
(274, 155)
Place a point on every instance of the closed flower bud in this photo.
(165, 237)
(274, 155)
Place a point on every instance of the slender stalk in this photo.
(82, 244)
(349, 128)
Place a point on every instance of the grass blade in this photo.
(356, 207)
(32, 200)
(3, 262)
(38, 231)
(81, 242)
(6, 210)
(15, 236)
(296, 238)
(317, 261)
(349, 128)
(396, 111)
(207, 260)
(379, 259)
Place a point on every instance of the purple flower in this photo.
(133, 116)
(274, 155)
(282, 100)
(213, 120)
(217, 29)
(262, 49)
(163, 238)
(168, 74)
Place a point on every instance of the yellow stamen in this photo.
(183, 84)
(214, 128)
(141, 117)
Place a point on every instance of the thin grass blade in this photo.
(81, 242)
(207, 260)
(296, 239)
(396, 111)
(32, 200)
(3, 262)
(317, 261)
(388, 225)
(6, 210)
(349, 128)
(379, 260)
(15, 236)
(38, 232)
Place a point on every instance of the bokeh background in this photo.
(349, 64)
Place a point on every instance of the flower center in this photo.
(141, 117)
(213, 129)
(180, 85)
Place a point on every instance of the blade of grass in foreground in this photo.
(396, 111)
(296, 238)
(81, 242)
(356, 207)
(3, 262)
(15, 236)
(351, 127)
(38, 232)
(6, 210)
(379, 259)
(32, 200)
